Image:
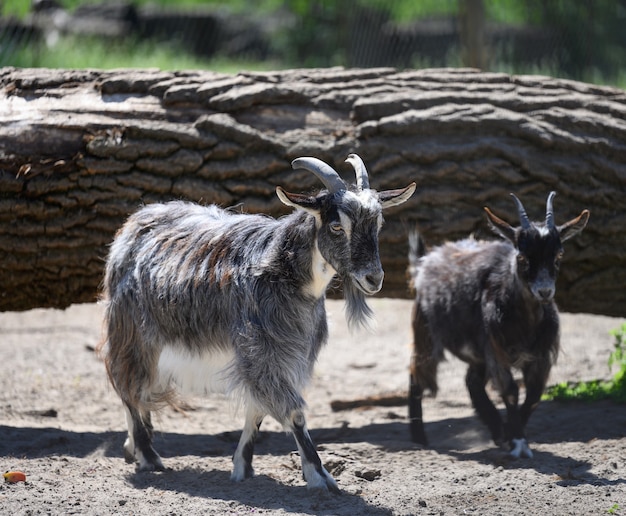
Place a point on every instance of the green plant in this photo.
(618, 358)
(613, 509)
(93, 52)
(614, 389)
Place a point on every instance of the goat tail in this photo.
(131, 363)
(417, 249)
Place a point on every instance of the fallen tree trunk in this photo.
(80, 150)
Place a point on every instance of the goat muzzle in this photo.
(371, 282)
(543, 292)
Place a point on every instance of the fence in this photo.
(579, 40)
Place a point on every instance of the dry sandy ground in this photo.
(63, 426)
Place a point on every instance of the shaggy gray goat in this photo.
(491, 304)
(200, 299)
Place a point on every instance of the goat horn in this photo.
(523, 217)
(324, 172)
(362, 181)
(549, 211)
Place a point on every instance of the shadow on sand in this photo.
(553, 422)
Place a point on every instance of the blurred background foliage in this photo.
(578, 39)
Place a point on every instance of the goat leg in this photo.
(314, 473)
(138, 445)
(516, 435)
(423, 375)
(535, 379)
(416, 392)
(242, 459)
(475, 380)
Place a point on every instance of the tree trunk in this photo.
(81, 150)
(472, 33)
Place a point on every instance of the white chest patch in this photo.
(322, 273)
(193, 373)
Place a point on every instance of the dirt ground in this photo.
(64, 427)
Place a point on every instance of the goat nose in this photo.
(546, 293)
(375, 280)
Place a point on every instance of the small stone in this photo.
(369, 475)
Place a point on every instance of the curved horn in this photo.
(549, 211)
(325, 173)
(523, 218)
(362, 181)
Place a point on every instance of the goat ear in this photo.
(574, 226)
(390, 198)
(299, 201)
(501, 227)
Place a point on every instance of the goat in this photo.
(491, 304)
(200, 299)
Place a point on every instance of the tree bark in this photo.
(81, 150)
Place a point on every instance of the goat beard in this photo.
(358, 312)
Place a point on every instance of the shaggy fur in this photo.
(490, 304)
(201, 299)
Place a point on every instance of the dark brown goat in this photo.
(491, 304)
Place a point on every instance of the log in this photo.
(392, 399)
(82, 149)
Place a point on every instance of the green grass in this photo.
(75, 52)
(90, 52)
(20, 8)
(614, 389)
(507, 11)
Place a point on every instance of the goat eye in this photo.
(335, 227)
(522, 261)
(558, 258)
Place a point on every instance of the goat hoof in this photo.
(240, 474)
(334, 488)
(324, 482)
(152, 464)
(129, 457)
(331, 485)
(237, 478)
(140, 468)
(520, 448)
